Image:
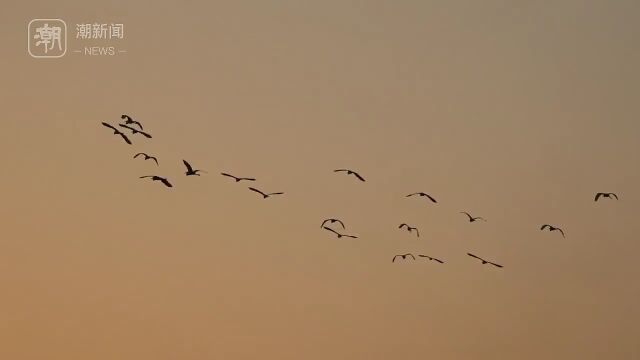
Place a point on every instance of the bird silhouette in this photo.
(332, 221)
(471, 218)
(484, 261)
(158, 178)
(190, 170)
(128, 120)
(265, 195)
(423, 194)
(552, 228)
(431, 258)
(410, 228)
(117, 132)
(146, 157)
(135, 131)
(606, 195)
(350, 172)
(238, 179)
(339, 234)
(403, 256)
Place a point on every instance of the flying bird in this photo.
(606, 195)
(471, 218)
(135, 131)
(410, 228)
(423, 194)
(350, 172)
(158, 178)
(484, 261)
(190, 170)
(118, 132)
(552, 228)
(332, 221)
(263, 194)
(128, 120)
(403, 256)
(431, 258)
(238, 179)
(146, 157)
(339, 234)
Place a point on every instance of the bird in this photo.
(128, 120)
(158, 178)
(471, 218)
(606, 195)
(332, 221)
(339, 234)
(485, 261)
(190, 170)
(410, 228)
(423, 194)
(403, 256)
(117, 132)
(350, 172)
(552, 228)
(146, 157)
(431, 258)
(263, 194)
(238, 179)
(135, 131)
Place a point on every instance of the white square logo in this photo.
(47, 38)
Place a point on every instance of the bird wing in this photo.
(126, 139)
(394, 258)
(275, 193)
(477, 257)
(333, 231)
(128, 127)
(246, 178)
(228, 175)
(411, 256)
(544, 226)
(147, 135)
(413, 194)
(341, 223)
(189, 168)
(324, 222)
(561, 232)
(146, 176)
(166, 182)
(466, 213)
(494, 264)
(350, 236)
(258, 191)
(438, 260)
(417, 231)
(137, 123)
(339, 170)
(431, 198)
(138, 154)
(615, 196)
(154, 159)
(401, 225)
(358, 176)
(598, 196)
(109, 126)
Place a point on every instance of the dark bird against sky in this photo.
(190, 170)
(350, 172)
(146, 157)
(339, 234)
(471, 218)
(484, 261)
(238, 179)
(421, 194)
(118, 132)
(332, 221)
(128, 120)
(135, 131)
(158, 178)
(552, 228)
(410, 228)
(606, 195)
(265, 195)
(403, 256)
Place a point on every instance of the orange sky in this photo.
(517, 111)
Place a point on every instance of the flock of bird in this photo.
(128, 124)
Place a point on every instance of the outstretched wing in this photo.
(341, 223)
(258, 191)
(109, 126)
(228, 175)
(126, 139)
(324, 222)
(147, 135)
(431, 198)
(394, 258)
(410, 255)
(413, 194)
(248, 179)
(358, 176)
(477, 257)
(544, 226)
(339, 170)
(561, 232)
(614, 195)
(146, 176)
(438, 260)
(166, 182)
(137, 123)
(189, 168)
(154, 159)
(350, 236)
(494, 264)
(417, 231)
(598, 196)
(466, 213)
(275, 193)
(138, 154)
(333, 231)
(401, 225)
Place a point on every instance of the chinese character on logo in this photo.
(47, 38)
(99, 31)
(83, 31)
(116, 31)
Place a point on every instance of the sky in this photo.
(516, 111)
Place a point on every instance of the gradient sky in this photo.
(517, 111)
